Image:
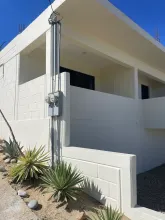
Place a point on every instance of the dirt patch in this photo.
(49, 209)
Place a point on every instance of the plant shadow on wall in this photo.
(92, 189)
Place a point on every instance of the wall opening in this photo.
(150, 87)
(103, 74)
(33, 61)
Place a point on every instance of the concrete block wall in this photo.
(104, 181)
(31, 97)
(8, 88)
(111, 176)
(24, 106)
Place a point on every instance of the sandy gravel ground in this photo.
(12, 207)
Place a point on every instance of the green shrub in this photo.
(63, 181)
(108, 213)
(31, 165)
(11, 148)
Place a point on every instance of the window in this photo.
(80, 79)
(144, 92)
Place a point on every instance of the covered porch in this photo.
(88, 69)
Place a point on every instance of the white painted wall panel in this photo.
(114, 123)
(29, 133)
(32, 65)
(117, 80)
(154, 113)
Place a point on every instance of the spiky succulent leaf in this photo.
(108, 213)
(31, 165)
(11, 148)
(63, 181)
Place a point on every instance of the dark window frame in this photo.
(80, 79)
(145, 92)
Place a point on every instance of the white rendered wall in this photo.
(154, 112)
(32, 65)
(117, 80)
(29, 133)
(114, 123)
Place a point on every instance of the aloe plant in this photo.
(108, 213)
(30, 166)
(63, 181)
(11, 148)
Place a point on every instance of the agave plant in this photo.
(31, 165)
(108, 213)
(63, 181)
(11, 148)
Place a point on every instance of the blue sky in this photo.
(149, 14)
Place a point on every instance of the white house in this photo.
(113, 86)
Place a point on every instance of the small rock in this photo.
(33, 204)
(80, 216)
(2, 145)
(7, 155)
(22, 193)
(10, 181)
(2, 169)
(14, 186)
(1, 149)
(4, 157)
(5, 174)
(7, 160)
(13, 161)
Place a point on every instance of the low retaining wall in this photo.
(112, 179)
(112, 176)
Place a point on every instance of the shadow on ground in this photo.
(151, 189)
(86, 204)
